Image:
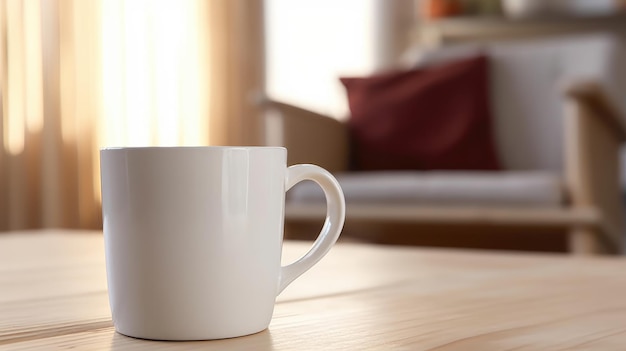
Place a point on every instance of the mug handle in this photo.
(335, 217)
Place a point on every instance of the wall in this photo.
(311, 43)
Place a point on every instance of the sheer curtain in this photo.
(78, 75)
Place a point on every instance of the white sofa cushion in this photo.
(442, 188)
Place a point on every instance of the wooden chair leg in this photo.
(586, 241)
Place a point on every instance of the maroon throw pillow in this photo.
(435, 118)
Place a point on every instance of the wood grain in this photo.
(360, 297)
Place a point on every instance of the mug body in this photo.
(193, 239)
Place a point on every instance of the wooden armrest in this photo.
(308, 136)
(594, 131)
(594, 98)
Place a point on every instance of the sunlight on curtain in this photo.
(153, 74)
(23, 84)
(78, 75)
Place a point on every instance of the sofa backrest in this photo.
(527, 84)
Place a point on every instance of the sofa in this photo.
(558, 125)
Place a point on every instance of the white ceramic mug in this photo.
(193, 237)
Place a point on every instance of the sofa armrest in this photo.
(308, 136)
(594, 132)
(597, 102)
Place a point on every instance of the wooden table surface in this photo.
(360, 297)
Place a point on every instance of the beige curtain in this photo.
(77, 75)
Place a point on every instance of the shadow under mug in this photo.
(193, 237)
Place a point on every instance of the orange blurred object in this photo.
(441, 8)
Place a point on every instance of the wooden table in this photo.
(360, 297)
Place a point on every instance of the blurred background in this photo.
(80, 75)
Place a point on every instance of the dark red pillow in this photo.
(427, 119)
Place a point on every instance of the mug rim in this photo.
(216, 147)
